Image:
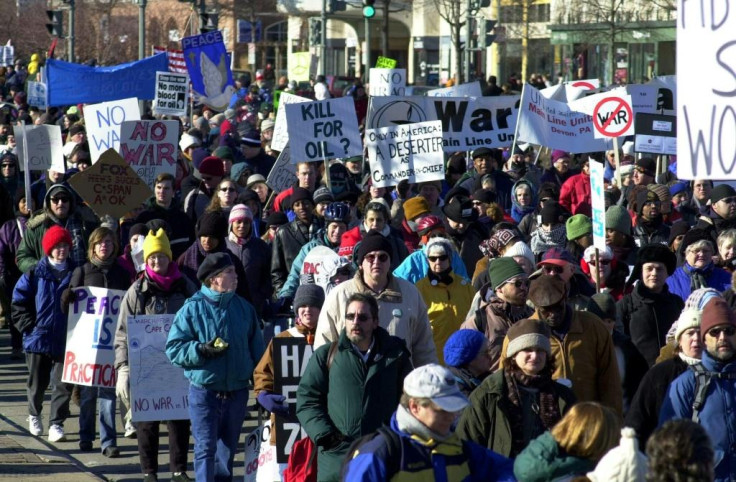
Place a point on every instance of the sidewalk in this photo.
(24, 457)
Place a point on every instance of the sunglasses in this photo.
(227, 189)
(604, 262)
(383, 257)
(358, 316)
(519, 283)
(653, 203)
(8, 165)
(728, 331)
(60, 199)
(552, 269)
(443, 257)
(729, 200)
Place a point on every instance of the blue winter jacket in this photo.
(294, 279)
(679, 283)
(416, 266)
(428, 462)
(204, 317)
(717, 415)
(36, 305)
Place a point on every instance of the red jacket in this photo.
(575, 195)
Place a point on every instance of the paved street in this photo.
(24, 457)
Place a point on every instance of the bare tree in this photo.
(454, 13)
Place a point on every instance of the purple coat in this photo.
(11, 233)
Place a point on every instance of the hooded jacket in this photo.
(544, 460)
(254, 256)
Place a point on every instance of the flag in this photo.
(176, 59)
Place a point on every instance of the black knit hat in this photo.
(300, 194)
(212, 224)
(276, 219)
(678, 229)
(721, 191)
(213, 263)
(138, 228)
(372, 241)
(552, 213)
(485, 196)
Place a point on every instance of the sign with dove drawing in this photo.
(209, 69)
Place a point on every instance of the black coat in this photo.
(180, 225)
(634, 369)
(286, 245)
(468, 243)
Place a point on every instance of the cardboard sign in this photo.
(280, 130)
(385, 63)
(409, 151)
(290, 358)
(149, 148)
(283, 172)
(89, 358)
(158, 389)
(467, 123)
(324, 129)
(110, 186)
(209, 69)
(102, 123)
(302, 66)
(471, 89)
(36, 94)
(387, 82)
(612, 113)
(171, 93)
(260, 456)
(44, 146)
(598, 204)
(656, 134)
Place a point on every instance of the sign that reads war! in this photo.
(150, 147)
(171, 93)
(410, 151)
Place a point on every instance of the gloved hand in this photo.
(332, 440)
(122, 387)
(273, 403)
(209, 350)
(67, 297)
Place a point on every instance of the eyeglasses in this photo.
(604, 262)
(59, 199)
(383, 257)
(443, 257)
(729, 200)
(727, 330)
(358, 316)
(654, 203)
(8, 165)
(552, 269)
(519, 283)
(227, 189)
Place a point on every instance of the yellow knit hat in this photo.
(157, 243)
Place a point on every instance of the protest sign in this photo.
(324, 129)
(612, 113)
(8, 54)
(36, 94)
(150, 148)
(387, 82)
(260, 456)
(89, 357)
(102, 123)
(280, 131)
(283, 173)
(290, 358)
(158, 389)
(598, 204)
(666, 86)
(44, 146)
(209, 69)
(656, 134)
(110, 186)
(385, 63)
(313, 267)
(171, 93)
(410, 151)
(302, 66)
(467, 123)
(471, 89)
(555, 124)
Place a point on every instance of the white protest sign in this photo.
(149, 147)
(171, 93)
(102, 122)
(36, 94)
(553, 124)
(158, 389)
(598, 204)
(260, 456)
(471, 89)
(387, 82)
(280, 131)
(612, 113)
(44, 146)
(313, 267)
(283, 172)
(666, 93)
(89, 357)
(467, 123)
(585, 84)
(324, 129)
(409, 151)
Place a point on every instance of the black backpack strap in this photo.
(480, 320)
(395, 450)
(702, 380)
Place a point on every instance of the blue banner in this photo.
(69, 83)
(209, 69)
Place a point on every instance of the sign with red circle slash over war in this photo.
(613, 117)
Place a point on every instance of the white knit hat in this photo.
(689, 318)
(624, 463)
(520, 248)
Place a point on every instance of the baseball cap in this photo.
(438, 384)
(556, 256)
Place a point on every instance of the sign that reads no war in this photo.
(323, 130)
(89, 358)
(387, 82)
(44, 146)
(171, 93)
(410, 151)
(102, 122)
(149, 148)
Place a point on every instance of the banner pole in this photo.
(618, 164)
(518, 117)
(26, 167)
(597, 272)
(327, 168)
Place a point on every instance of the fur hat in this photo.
(653, 253)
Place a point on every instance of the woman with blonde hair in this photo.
(225, 197)
(573, 446)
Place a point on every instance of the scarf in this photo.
(444, 277)
(164, 281)
(103, 264)
(544, 240)
(518, 212)
(688, 359)
(59, 269)
(698, 275)
(236, 239)
(407, 423)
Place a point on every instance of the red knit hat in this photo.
(212, 166)
(716, 312)
(53, 236)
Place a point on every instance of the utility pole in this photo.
(367, 22)
(71, 31)
(141, 29)
(468, 38)
(323, 42)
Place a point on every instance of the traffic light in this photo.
(489, 35)
(369, 11)
(336, 6)
(315, 31)
(56, 22)
(207, 22)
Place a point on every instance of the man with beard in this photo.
(465, 230)
(649, 227)
(722, 213)
(705, 393)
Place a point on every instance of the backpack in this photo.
(393, 456)
(702, 382)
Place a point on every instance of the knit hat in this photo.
(664, 196)
(187, 141)
(552, 213)
(500, 270)
(308, 295)
(460, 209)
(137, 229)
(349, 196)
(618, 219)
(212, 166)
(251, 137)
(501, 239)
(254, 179)
(647, 165)
(528, 333)
(267, 124)
(372, 241)
(438, 384)
(323, 195)
(212, 224)
(438, 247)
(721, 191)
(678, 187)
(53, 236)
(578, 226)
(213, 264)
(224, 152)
(547, 290)
(644, 196)
(557, 155)
(276, 219)
(605, 304)
(624, 463)
(716, 312)
(678, 228)
(484, 195)
(239, 212)
(462, 347)
(247, 195)
(76, 129)
(157, 242)
(689, 318)
(300, 194)
(415, 207)
(520, 248)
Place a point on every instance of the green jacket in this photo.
(544, 460)
(486, 421)
(352, 398)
